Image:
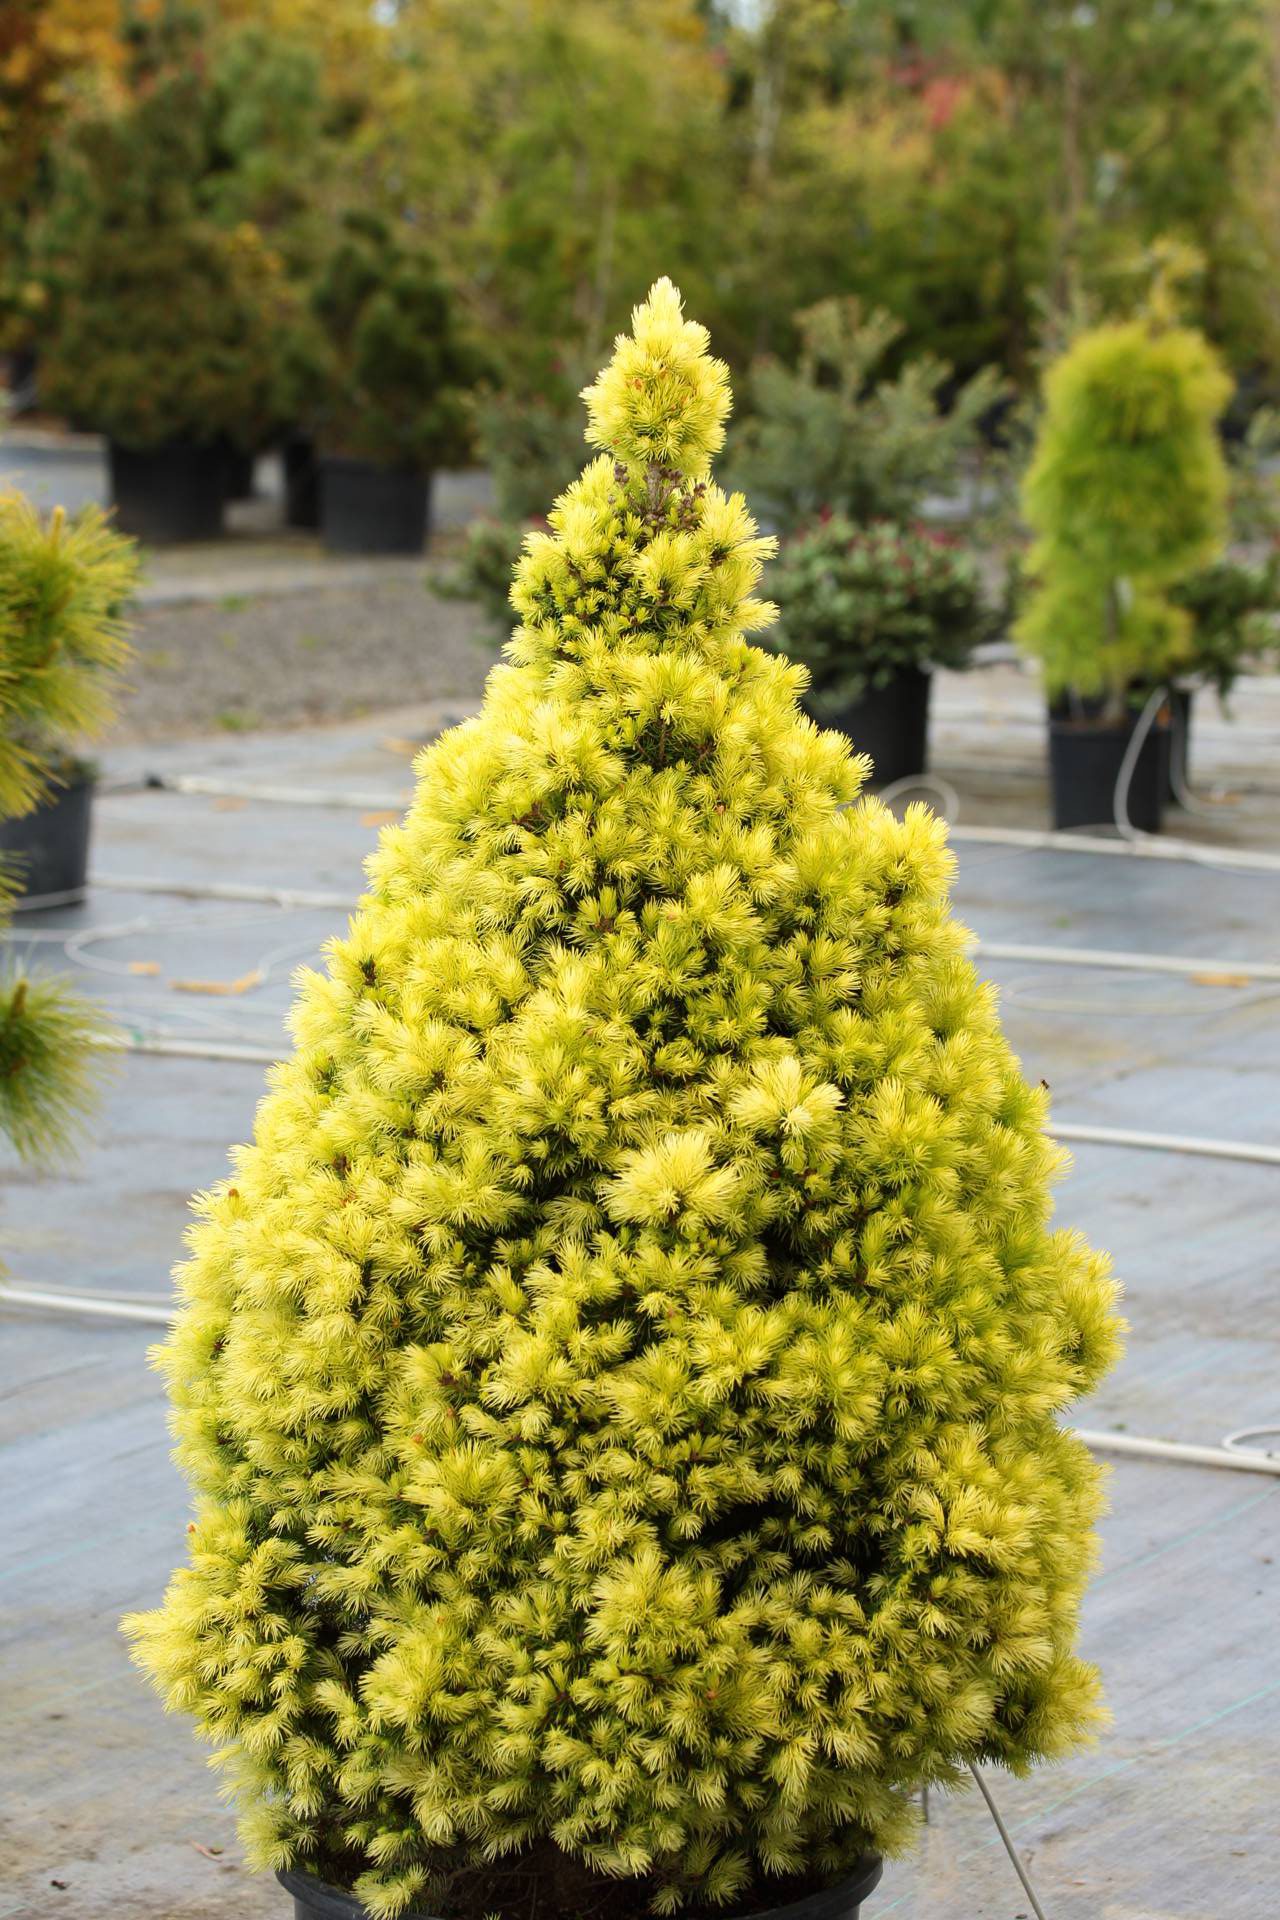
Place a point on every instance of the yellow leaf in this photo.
(244, 984)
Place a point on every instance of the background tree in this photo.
(560, 152)
(1127, 497)
(166, 307)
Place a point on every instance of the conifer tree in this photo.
(65, 586)
(1126, 494)
(621, 1380)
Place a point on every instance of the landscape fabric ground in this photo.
(109, 1809)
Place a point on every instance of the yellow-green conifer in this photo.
(622, 1379)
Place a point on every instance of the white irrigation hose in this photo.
(76, 945)
(1131, 840)
(1258, 1152)
(923, 782)
(1009, 1847)
(1241, 1459)
(103, 1306)
(1124, 779)
(296, 897)
(1149, 846)
(1230, 1455)
(1178, 765)
(199, 783)
(1152, 848)
(174, 1049)
(1243, 971)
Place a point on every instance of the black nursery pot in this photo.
(313, 1900)
(365, 508)
(301, 482)
(169, 493)
(48, 850)
(1085, 758)
(238, 469)
(891, 723)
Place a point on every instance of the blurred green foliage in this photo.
(1233, 606)
(976, 168)
(862, 604)
(1127, 497)
(65, 588)
(836, 432)
(382, 369)
(166, 303)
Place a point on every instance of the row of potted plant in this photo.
(201, 306)
(1127, 599)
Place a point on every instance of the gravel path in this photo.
(243, 663)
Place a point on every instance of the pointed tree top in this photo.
(662, 400)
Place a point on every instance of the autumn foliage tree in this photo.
(621, 1382)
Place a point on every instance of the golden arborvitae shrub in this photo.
(621, 1381)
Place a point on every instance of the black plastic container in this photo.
(891, 723)
(169, 493)
(238, 469)
(301, 482)
(313, 1900)
(370, 509)
(1085, 758)
(48, 850)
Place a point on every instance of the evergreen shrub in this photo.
(841, 433)
(64, 589)
(861, 605)
(1233, 606)
(165, 319)
(1126, 495)
(389, 369)
(621, 1382)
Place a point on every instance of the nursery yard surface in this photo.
(110, 1810)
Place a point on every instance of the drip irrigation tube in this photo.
(1258, 1152)
(1046, 840)
(1242, 1459)
(272, 795)
(103, 1307)
(296, 897)
(176, 1049)
(1243, 972)
(1014, 1856)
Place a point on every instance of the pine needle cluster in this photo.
(621, 1381)
(64, 591)
(65, 588)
